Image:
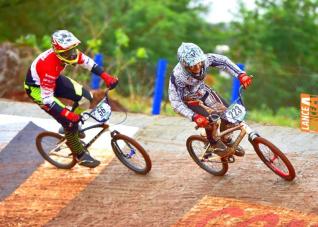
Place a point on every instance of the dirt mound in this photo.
(10, 64)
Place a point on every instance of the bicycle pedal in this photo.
(231, 159)
(81, 135)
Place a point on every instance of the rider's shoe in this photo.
(220, 149)
(86, 160)
(239, 151)
(81, 134)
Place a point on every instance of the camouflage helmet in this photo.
(190, 54)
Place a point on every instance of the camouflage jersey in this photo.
(183, 84)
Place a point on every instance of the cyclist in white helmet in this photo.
(187, 83)
(44, 84)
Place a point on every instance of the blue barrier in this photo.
(95, 79)
(236, 85)
(159, 86)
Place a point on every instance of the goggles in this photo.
(69, 56)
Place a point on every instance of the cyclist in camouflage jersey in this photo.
(187, 83)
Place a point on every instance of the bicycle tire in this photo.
(125, 158)
(269, 163)
(189, 143)
(40, 140)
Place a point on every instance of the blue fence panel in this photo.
(236, 84)
(95, 79)
(159, 86)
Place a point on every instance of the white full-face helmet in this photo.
(64, 44)
(190, 55)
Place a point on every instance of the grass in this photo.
(133, 104)
(284, 117)
(267, 118)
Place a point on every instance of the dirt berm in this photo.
(175, 192)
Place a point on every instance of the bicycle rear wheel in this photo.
(197, 146)
(52, 147)
(273, 158)
(131, 154)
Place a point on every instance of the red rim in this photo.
(277, 170)
(274, 154)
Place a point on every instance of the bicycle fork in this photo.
(131, 149)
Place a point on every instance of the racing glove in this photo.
(110, 81)
(70, 116)
(245, 80)
(200, 120)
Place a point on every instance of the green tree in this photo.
(278, 43)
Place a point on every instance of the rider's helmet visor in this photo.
(195, 69)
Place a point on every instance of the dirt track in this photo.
(176, 192)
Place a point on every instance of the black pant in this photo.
(65, 88)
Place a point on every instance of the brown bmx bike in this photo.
(207, 158)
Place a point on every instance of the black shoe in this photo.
(81, 135)
(85, 159)
(239, 151)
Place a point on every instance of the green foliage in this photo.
(136, 104)
(32, 41)
(279, 45)
(141, 53)
(122, 40)
(289, 112)
(277, 42)
(45, 42)
(285, 117)
(29, 40)
(94, 45)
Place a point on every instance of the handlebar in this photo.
(86, 115)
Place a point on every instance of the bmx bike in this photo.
(206, 156)
(53, 148)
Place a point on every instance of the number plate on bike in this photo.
(102, 112)
(235, 113)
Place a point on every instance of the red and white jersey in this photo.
(47, 67)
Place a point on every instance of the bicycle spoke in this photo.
(201, 150)
(202, 153)
(53, 148)
(274, 160)
(59, 154)
(131, 154)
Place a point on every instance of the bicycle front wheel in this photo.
(52, 147)
(131, 154)
(273, 158)
(210, 162)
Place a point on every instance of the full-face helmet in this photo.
(64, 44)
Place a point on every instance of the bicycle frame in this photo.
(101, 124)
(206, 154)
(215, 126)
(104, 127)
(242, 127)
